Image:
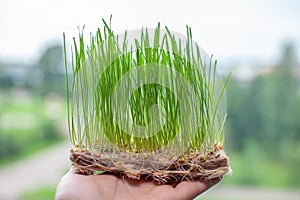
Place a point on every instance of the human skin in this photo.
(80, 187)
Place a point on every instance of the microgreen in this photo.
(154, 104)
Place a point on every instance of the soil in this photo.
(160, 168)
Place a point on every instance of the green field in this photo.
(28, 123)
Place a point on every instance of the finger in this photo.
(212, 182)
(191, 189)
(74, 186)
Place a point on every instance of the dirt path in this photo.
(43, 169)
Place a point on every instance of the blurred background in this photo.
(257, 41)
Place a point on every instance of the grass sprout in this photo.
(170, 99)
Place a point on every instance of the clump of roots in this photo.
(157, 167)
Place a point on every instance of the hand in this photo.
(79, 187)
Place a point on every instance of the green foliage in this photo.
(8, 147)
(24, 126)
(47, 75)
(49, 131)
(253, 167)
(266, 112)
(100, 67)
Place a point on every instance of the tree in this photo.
(268, 109)
(50, 69)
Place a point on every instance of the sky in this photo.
(228, 29)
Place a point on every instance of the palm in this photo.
(73, 186)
